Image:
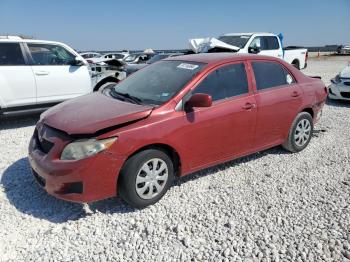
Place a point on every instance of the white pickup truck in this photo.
(256, 43)
(36, 74)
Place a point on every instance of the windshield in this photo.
(159, 82)
(236, 40)
(130, 58)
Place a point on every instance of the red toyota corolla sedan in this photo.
(170, 119)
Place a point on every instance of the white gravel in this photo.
(270, 206)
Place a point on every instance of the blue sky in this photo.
(136, 24)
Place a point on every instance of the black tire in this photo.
(291, 144)
(127, 178)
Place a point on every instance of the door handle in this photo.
(42, 73)
(248, 106)
(295, 94)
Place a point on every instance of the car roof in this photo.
(19, 40)
(249, 34)
(212, 58)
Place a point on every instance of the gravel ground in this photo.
(270, 206)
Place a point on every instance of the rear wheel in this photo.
(300, 133)
(145, 178)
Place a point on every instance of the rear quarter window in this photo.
(11, 54)
(270, 74)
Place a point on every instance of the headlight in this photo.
(84, 148)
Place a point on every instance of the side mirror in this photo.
(199, 100)
(78, 61)
(254, 50)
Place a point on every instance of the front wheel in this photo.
(145, 178)
(300, 133)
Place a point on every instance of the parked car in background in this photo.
(131, 68)
(137, 58)
(118, 56)
(36, 74)
(88, 55)
(253, 43)
(172, 118)
(340, 85)
(343, 49)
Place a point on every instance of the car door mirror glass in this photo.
(254, 50)
(199, 100)
(77, 61)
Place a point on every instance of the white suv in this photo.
(36, 74)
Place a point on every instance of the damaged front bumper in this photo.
(87, 180)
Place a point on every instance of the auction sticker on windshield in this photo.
(187, 66)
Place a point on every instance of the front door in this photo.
(268, 45)
(56, 78)
(225, 129)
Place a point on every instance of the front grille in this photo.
(345, 94)
(39, 179)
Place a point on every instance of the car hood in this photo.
(91, 113)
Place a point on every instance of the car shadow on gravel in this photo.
(27, 197)
(12, 122)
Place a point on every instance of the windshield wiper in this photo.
(126, 96)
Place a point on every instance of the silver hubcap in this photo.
(302, 132)
(151, 178)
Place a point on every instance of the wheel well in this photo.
(105, 80)
(310, 111)
(296, 61)
(170, 151)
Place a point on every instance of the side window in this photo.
(11, 54)
(118, 56)
(271, 43)
(257, 42)
(46, 54)
(225, 82)
(270, 74)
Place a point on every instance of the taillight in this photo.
(306, 55)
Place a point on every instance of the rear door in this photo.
(17, 83)
(227, 127)
(278, 99)
(56, 78)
